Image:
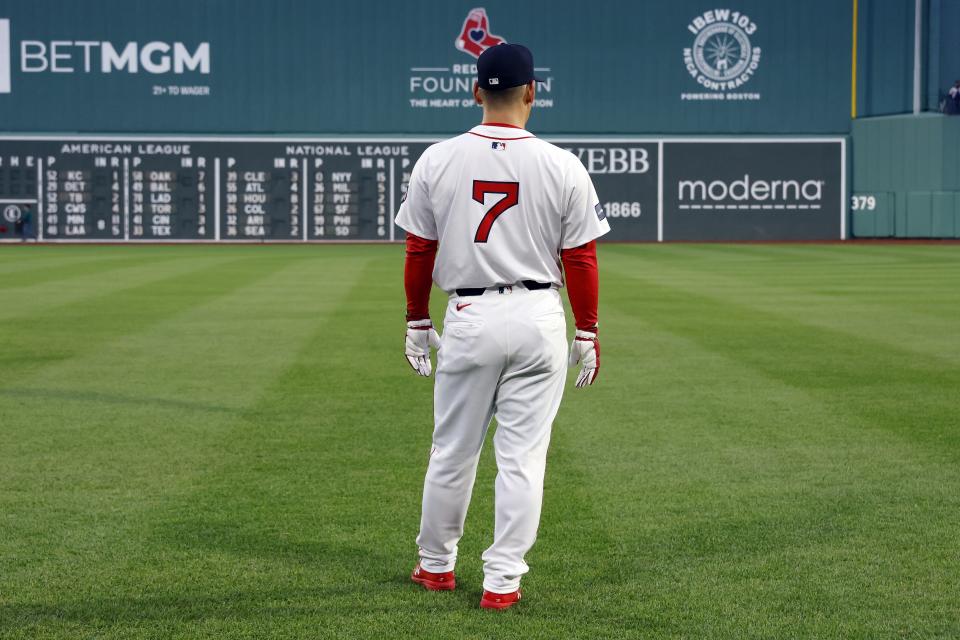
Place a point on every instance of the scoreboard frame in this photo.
(774, 158)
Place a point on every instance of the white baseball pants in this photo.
(502, 354)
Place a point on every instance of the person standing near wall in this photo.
(26, 223)
(953, 99)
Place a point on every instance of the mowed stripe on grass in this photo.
(804, 476)
(225, 442)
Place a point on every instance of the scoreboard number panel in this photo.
(236, 189)
(83, 201)
(169, 200)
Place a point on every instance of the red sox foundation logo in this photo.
(447, 82)
(475, 36)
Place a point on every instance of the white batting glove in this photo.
(585, 349)
(420, 337)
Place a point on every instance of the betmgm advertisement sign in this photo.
(100, 57)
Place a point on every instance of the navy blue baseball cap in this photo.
(504, 66)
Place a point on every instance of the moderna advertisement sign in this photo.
(754, 189)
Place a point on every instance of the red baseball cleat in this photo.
(491, 600)
(434, 581)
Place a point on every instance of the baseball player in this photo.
(490, 216)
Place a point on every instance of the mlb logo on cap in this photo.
(504, 66)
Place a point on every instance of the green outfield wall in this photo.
(886, 54)
(885, 57)
(942, 50)
(906, 177)
(299, 66)
(619, 77)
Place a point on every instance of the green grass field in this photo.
(227, 442)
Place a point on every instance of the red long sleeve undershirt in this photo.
(418, 275)
(579, 266)
(583, 283)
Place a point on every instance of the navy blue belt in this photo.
(532, 285)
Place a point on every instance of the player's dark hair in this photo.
(502, 97)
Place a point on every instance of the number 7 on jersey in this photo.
(511, 196)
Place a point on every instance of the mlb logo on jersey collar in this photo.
(498, 146)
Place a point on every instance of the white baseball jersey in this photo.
(502, 203)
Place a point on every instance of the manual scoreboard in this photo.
(206, 190)
(278, 189)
